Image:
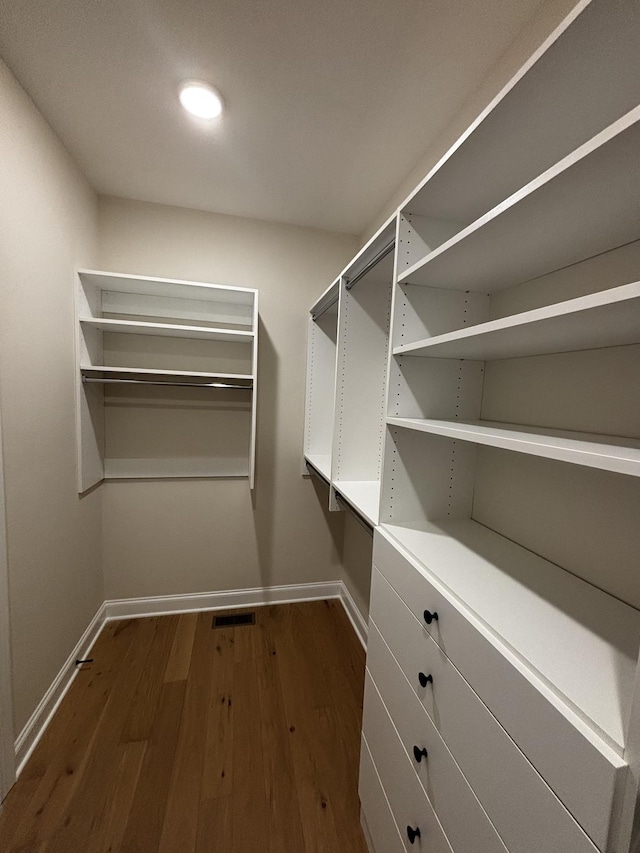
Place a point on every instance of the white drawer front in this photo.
(527, 814)
(380, 823)
(559, 750)
(409, 804)
(441, 778)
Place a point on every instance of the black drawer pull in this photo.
(419, 754)
(425, 679)
(412, 834)
(429, 617)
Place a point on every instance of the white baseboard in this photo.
(41, 717)
(129, 608)
(356, 618)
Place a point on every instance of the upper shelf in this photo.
(591, 199)
(605, 319)
(621, 455)
(571, 87)
(170, 330)
(170, 288)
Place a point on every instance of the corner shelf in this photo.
(132, 370)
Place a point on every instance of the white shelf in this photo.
(168, 287)
(188, 467)
(590, 198)
(321, 463)
(572, 86)
(578, 448)
(606, 319)
(582, 642)
(170, 330)
(99, 372)
(364, 497)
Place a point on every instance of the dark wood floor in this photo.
(180, 738)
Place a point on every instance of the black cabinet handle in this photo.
(425, 679)
(412, 834)
(419, 754)
(429, 617)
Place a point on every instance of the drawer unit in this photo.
(409, 804)
(380, 825)
(557, 742)
(524, 810)
(447, 789)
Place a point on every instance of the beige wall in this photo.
(184, 536)
(47, 228)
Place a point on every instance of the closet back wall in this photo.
(184, 536)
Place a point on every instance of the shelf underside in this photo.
(105, 373)
(590, 200)
(364, 497)
(187, 467)
(620, 455)
(164, 330)
(606, 319)
(581, 641)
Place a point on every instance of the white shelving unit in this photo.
(348, 348)
(322, 347)
(508, 519)
(185, 349)
(363, 351)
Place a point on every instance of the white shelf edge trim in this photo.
(167, 330)
(592, 451)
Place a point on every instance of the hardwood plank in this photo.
(214, 825)
(217, 774)
(108, 830)
(144, 698)
(180, 828)
(180, 656)
(285, 827)
(98, 775)
(64, 749)
(250, 816)
(144, 826)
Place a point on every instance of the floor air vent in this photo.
(232, 620)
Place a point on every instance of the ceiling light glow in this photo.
(200, 99)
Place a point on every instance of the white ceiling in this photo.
(330, 103)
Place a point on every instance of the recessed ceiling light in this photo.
(200, 99)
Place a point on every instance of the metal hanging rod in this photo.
(369, 266)
(315, 472)
(91, 380)
(325, 307)
(354, 512)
